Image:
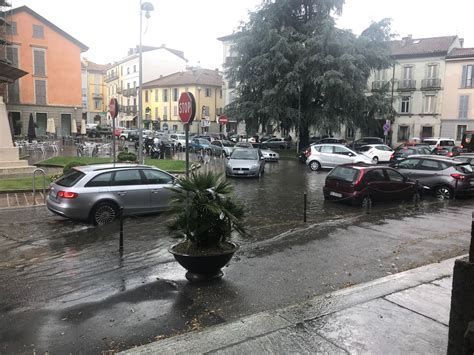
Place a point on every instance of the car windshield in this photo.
(245, 154)
(344, 173)
(70, 179)
(430, 141)
(227, 144)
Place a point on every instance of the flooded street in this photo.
(66, 288)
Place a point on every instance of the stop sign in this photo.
(223, 119)
(187, 107)
(113, 108)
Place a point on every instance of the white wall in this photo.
(161, 62)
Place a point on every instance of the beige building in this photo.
(458, 112)
(94, 104)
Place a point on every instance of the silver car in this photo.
(331, 155)
(221, 147)
(97, 193)
(245, 162)
(269, 155)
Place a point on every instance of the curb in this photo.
(250, 327)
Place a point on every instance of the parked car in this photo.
(331, 140)
(330, 155)
(439, 142)
(96, 193)
(359, 143)
(99, 131)
(447, 151)
(245, 162)
(406, 151)
(222, 147)
(278, 143)
(467, 141)
(118, 131)
(129, 134)
(444, 176)
(243, 145)
(362, 184)
(377, 152)
(179, 140)
(268, 154)
(200, 144)
(467, 158)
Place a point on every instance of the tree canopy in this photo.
(295, 69)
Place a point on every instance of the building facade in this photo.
(94, 105)
(458, 111)
(160, 100)
(122, 78)
(52, 89)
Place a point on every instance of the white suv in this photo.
(441, 142)
(331, 155)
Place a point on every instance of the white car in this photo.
(377, 152)
(331, 155)
(179, 140)
(442, 142)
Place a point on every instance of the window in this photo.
(427, 164)
(175, 94)
(429, 105)
(405, 106)
(220, 93)
(460, 129)
(432, 71)
(71, 178)
(165, 95)
(165, 113)
(341, 150)
(134, 68)
(40, 92)
(426, 131)
(326, 149)
(100, 180)
(208, 92)
(13, 28)
(39, 62)
(409, 163)
(463, 106)
(175, 110)
(146, 95)
(156, 95)
(38, 31)
(128, 86)
(467, 76)
(14, 88)
(134, 84)
(403, 133)
(394, 176)
(121, 70)
(408, 72)
(375, 175)
(380, 75)
(157, 177)
(127, 177)
(128, 70)
(97, 104)
(156, 112)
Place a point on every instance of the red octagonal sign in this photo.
(187, 107)
(113, 108)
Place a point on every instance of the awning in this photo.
(9, 73)
(127, 118)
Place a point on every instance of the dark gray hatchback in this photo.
(446, 177)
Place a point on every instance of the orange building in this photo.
(52, 89)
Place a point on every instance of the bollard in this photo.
(304, 207)
(462, 306)
(121, 229)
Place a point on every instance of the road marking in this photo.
(16, 198)
(8, 201)
(26, 199)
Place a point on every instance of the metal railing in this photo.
(431, 83)
(407, 84)
(38, 170)
(380, 84)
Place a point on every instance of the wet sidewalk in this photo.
(404, 313)
(21, 199)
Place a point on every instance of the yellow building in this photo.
(94, 90)
(160, 100)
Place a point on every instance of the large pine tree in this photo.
(296, 69)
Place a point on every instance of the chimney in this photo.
(406, 40)
(461, 42)
(163, 45)
(130, 51)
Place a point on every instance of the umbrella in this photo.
(31, 128)
(53, 126)
(48, 126)
(83, 127)
(74, 126)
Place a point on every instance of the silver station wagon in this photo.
(96, 193)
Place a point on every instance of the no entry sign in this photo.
(187, 107)
(113, 108)
(223, 119)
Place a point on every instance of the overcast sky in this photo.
(110, 27)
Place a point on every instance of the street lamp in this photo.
(147, 7)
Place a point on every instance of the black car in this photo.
(404, 152)
(359, 143)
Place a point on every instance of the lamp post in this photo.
(147, 7)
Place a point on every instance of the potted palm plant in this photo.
(206, 215)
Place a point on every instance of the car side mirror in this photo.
(351, 154)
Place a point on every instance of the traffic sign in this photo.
(386, 126)
(223, 119)
(113, 108)
(187, 107)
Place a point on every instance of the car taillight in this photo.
(307, 152)
(392, 156)
(462, 146)
(450, 154)
(67, 194)
(458, 176)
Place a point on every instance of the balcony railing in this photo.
(407, 85)
(130, 92)
(97, 96)
(119, 91)
(432, 83)
(380, 85)
(112, 77)
(130, 110)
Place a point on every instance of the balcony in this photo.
(407, 85)
(129, 92)
(129, 110)
(432, 83)
(119, 91)
(111, 77)
(379, 85)
(97, 96)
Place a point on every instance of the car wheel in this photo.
(104, 213)
(375, 160)
(367, 202)
(444, 193)
(314, 165)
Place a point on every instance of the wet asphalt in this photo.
(65, 288)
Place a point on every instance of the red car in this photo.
(363, 184)
(118, 131)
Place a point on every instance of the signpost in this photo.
(187, 112)
(223, 120)
(386, 128)
(113, 109)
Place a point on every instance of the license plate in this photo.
(240, 172)
(335, 194)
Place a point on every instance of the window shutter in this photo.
(39, 63)
(464, 76)
(466, 106)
